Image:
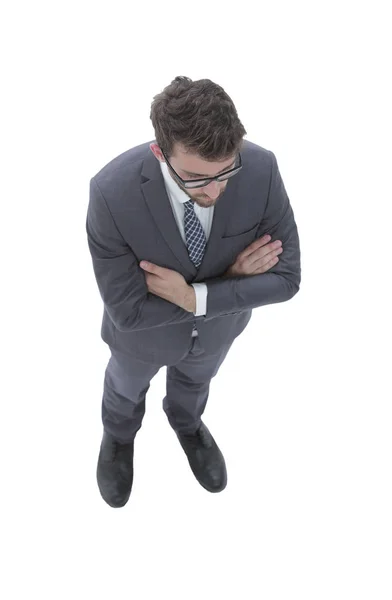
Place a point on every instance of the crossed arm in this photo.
(122, 283)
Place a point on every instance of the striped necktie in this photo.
(194, 233)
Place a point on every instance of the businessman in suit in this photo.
(188, 233)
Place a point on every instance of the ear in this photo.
(155, 149)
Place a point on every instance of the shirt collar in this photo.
(177, 193)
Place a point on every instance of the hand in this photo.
(257, 258)
(169, 285)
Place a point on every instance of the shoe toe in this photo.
(114, 495)
(115, 484)
(216, 479)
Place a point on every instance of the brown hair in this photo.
(200, 116)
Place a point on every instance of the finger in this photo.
(268, 251)
(267, 266)
(263, 255)
(147, 266)
(256, 244)
(263, 245)
(151, 268)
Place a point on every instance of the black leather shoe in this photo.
(205, 458)
(115, 471)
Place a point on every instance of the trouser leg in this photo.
(188, 384)
(126, 383)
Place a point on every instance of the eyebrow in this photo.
(204, 175)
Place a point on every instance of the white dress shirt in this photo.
(177, 198)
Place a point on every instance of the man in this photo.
(188, 233)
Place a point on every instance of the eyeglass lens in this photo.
(191, 184)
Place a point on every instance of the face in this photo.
(184, 164)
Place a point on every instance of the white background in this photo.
(301, 408)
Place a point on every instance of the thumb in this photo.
(150, 267)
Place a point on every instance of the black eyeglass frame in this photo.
(206, 180)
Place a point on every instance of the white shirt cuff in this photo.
(201, 292)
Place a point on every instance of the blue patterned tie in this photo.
(194, 233)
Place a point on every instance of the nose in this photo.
(213, 189)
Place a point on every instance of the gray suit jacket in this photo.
(130, 219)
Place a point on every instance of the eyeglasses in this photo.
(196, 183)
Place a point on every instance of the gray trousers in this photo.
(127, 381)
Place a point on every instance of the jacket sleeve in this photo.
(282, 281)
(121, 281)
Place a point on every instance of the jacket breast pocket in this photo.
(234, 236)
(232, 245)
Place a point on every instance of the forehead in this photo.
(192, 163)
